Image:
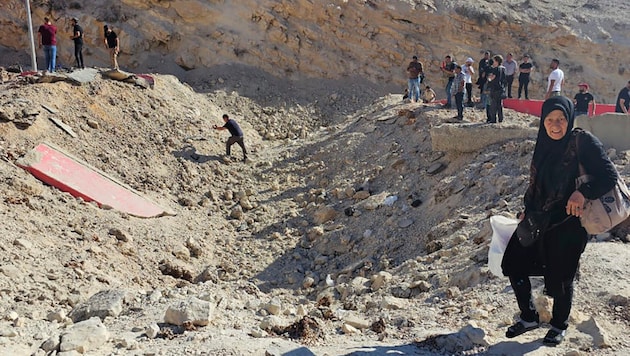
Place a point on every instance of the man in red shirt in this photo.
(47, 34)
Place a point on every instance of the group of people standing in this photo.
(495, 81)
(47, 39)
(495, 78)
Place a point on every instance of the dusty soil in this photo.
(305, 242)
(344, 234)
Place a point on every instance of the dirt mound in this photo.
(349, 211)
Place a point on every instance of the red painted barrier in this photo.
(534, 107)
(63, 172)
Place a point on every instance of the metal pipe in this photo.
(31, 36)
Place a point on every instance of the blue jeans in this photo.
(50, 53)
(449, 87)
(578, 113)
(413, 86)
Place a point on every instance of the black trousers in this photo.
(523, 83)
(562, 301)
(235, 139)
(495, 108)
(459, 103)
(469, 92)
(510, 80)
(78, 54)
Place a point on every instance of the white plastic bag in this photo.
(502, 230)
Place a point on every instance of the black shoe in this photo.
(520, 328)
(554, 337)
(446, 106)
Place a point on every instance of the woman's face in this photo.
(556, 124)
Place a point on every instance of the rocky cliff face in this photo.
(341, 39)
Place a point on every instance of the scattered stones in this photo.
(102, 304)
(196, 311)
(380, 279)
(436, 168)
(152, 331)
(348, 329)
(601, 337)
(119, 234)
(58, 316)
(176, 269)
(361, 195)
(237, 213)
(357, 322)
(323, 215)
(52, 343)
(84, 336)
(23, 243)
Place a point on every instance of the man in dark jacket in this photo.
(496, 84)
(236, 135)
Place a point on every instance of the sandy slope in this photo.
(58, 251)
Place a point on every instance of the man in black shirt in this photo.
(524, 70)
(77, 36)
(236, 132)
(448, 69)
(582, 101)
(113, 43)
(623, 100)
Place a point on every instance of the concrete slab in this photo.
(613, 129)
(475, 137)
(62, 171)
(83, 76)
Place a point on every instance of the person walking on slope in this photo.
(236, 135)
(47, 35)
(552, 193)
(414, 72)
(556, 79)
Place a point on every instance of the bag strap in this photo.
(583, 177)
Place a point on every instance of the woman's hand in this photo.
(575, 204)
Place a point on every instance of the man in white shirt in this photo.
(556, 78)
(468, 71)
(510, 69)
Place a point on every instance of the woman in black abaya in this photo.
(552, 189)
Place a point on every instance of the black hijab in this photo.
(553, 163)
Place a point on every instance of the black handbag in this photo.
(532, 227)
